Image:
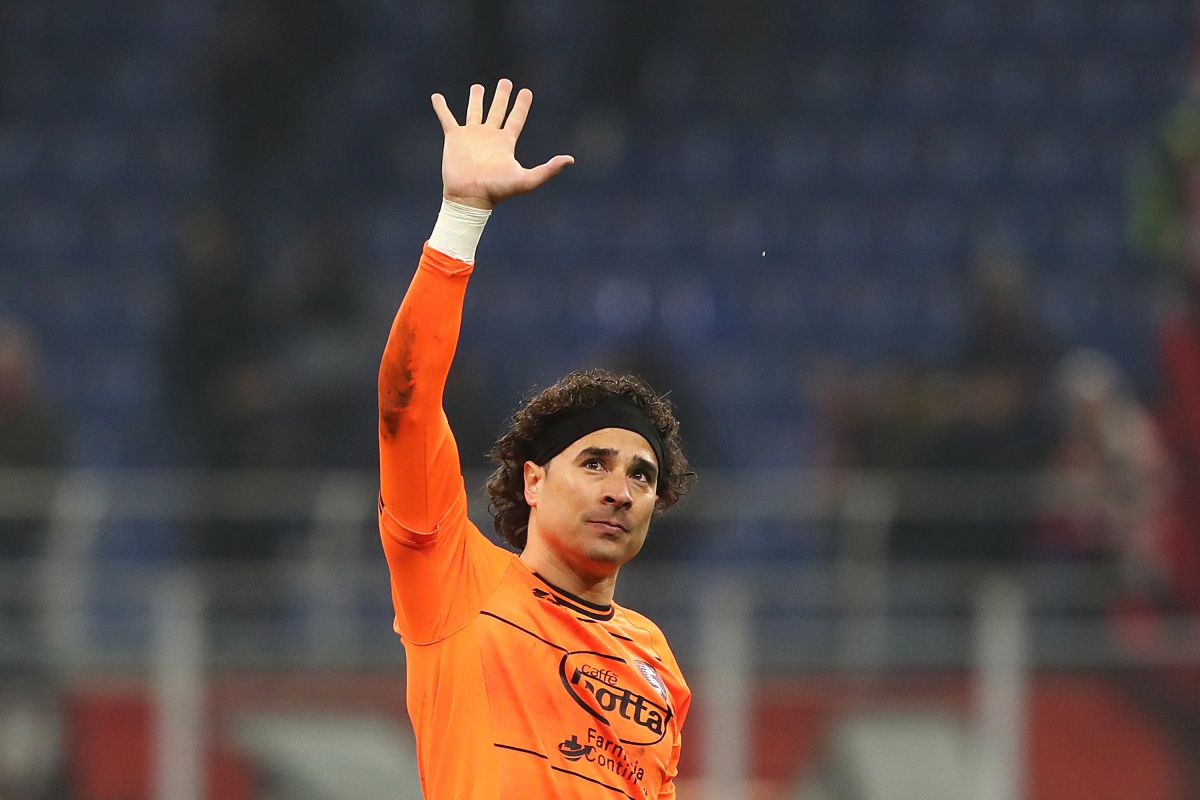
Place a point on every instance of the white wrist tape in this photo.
(458, 229)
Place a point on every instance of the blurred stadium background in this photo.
(922, 278)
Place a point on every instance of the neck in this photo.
(596, 588)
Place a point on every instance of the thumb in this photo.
(538, 175)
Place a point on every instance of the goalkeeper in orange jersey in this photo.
(525, 679)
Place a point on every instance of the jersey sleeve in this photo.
(440, 564)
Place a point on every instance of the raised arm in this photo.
(419, 466)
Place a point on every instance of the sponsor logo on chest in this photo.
(603, 686)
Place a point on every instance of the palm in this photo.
(479, 161)
(479, 165)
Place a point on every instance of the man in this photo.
(525, 679)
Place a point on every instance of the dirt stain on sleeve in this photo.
(396, 380)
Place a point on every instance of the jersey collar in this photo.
(577, 603)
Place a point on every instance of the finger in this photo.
(499, 107)
(520, 110)
(443, 112)
(540, 174)
(475, 105)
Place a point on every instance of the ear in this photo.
(535, 476)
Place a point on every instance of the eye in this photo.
(592, 463)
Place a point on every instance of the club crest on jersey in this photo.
(654, 679)
(593, 680)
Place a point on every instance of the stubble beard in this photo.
(615, 550)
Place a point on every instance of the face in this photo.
(590, 506)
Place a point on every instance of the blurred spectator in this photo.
(997, 442)
(888, 416)
(981, 420)
(1179, 417)
(30, 434)
(30, 437)
(216, 361)
(1005, 335)
(1115, 478)
(1163, 212)
(215, 354)
(997, 431)
(1174, 693)
(326, 388)
(267, 376)
(1165, 226)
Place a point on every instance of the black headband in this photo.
(608, 411)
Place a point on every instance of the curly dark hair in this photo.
(579, 389)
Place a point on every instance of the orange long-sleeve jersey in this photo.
(516, 689)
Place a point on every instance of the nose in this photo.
(616, 493)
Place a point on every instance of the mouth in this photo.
(608, 526)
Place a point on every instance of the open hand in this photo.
(479, 164)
